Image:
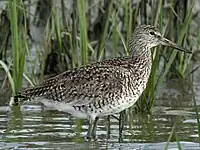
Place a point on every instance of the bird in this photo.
(102, 88)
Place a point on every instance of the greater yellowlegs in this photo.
(102, 88)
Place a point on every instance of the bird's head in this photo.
(147, 36)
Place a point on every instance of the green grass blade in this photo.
(83, 31)
(123, 42)
(28, 79)
(170, 136)
(183, 61)
(174, 52)
(101, 46)
(12, 84)
(14, 40)
(18, 35)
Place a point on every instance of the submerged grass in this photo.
(170, 137)
(173, 136)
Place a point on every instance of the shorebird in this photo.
(103, 88)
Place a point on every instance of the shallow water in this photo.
(34, 127)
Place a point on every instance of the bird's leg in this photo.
(89, 133)
(92, 128)
(93, 134)
(108, 127)
(115, 117)
(121, 121)
(121, 125)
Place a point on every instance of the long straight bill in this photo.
(174, 45)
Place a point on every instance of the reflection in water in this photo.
(31, 126)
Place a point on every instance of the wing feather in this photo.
(88, 85)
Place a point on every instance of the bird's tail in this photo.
(28, 94)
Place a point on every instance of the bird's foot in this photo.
(90, 138)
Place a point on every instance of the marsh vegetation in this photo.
(42, 38)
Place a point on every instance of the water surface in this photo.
(33, 127)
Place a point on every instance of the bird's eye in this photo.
(152, 33)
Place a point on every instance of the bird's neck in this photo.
(140, 52)
(142, 61)
(141, 58)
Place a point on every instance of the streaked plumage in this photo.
(102, 88)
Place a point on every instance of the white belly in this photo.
(64, 107)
